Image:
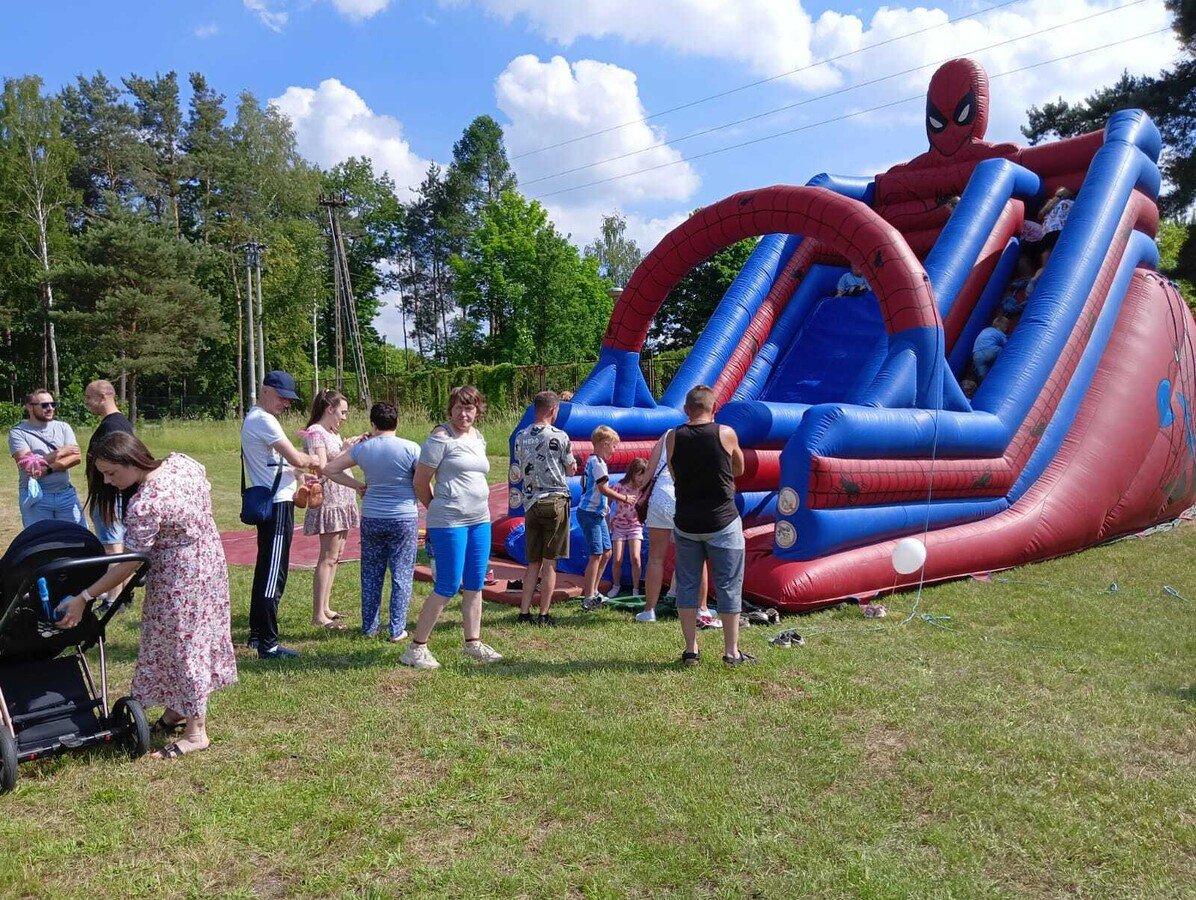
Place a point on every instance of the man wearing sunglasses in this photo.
(45, 450)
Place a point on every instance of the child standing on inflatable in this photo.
(626, 529)
(591, 512)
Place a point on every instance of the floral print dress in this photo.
(186, 649)
(339, 509)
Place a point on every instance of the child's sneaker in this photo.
(418, 656)
(481, 652)
(648, 615)
(590, 603)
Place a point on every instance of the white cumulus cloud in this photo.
(206, 31)
(332, 123)
(549, 102)
(772, 37)
(359, 10)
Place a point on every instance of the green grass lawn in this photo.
(1040, 742)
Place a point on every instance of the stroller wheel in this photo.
(8, 761)
(129, 716)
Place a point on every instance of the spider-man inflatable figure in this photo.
(956, 120)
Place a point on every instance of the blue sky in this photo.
(399, 79)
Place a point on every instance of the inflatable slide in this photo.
(856, 427)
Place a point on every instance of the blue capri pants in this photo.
(462, 557)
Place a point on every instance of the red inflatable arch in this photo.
(845, 225)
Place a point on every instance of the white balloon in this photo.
(909, 555)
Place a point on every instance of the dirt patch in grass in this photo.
(883, 746)
(794, 689)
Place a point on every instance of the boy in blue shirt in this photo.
(591, 511)
(852, 284)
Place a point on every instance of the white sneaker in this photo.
(648, 615)
(481, 652)
(398, 638)
(418, 656)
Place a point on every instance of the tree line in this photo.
(124, 214)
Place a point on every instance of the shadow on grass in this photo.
(1186, 693)
(513, 668)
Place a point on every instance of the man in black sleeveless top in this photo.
(705, 458)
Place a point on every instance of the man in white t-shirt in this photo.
(271, 459)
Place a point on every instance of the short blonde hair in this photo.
(602, 434)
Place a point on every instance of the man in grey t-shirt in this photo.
(544, 456)
(45, 450)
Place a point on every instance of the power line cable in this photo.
(852, 87)
(768, 80)
(839, 118)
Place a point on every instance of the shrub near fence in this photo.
(422, 390)
(506, 386)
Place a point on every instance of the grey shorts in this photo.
(725, 552)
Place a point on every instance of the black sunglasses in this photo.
(49, 404)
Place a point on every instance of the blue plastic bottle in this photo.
(43, 593)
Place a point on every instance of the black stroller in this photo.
(48, 699)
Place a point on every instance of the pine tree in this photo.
(103, 130)
(138, 292)
(160, 123)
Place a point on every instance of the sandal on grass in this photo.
(165, 726)
(331, 625)
(174, 751)
(741, 660)
(690, 659)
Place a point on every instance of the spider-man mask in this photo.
(956, 106)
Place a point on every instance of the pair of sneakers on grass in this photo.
(418, 656)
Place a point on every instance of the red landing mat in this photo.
(568, 587)
(240, 549)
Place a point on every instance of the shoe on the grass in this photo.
(526, 619)
(253, 643)
(418, 656)
(648, 616)
(278, 651)
(481, 652)
(544, 620)
(690, 659)
(400, 637)
(590, 603)
(742, 659)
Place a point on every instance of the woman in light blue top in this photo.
(458, 525)
(389, 518)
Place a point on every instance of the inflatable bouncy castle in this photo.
(850, 409)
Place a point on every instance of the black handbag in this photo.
(257, 502)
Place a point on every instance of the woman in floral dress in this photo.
(186, 649)
(338, 513)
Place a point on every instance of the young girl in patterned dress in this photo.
(338, 513)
